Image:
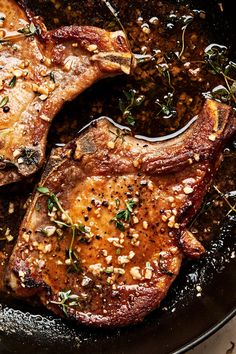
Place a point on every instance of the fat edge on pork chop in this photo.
(39, 71)
(106, 231)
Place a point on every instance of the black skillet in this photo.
(183, 320)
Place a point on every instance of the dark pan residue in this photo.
(204, 293)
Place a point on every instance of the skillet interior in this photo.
(183, 316)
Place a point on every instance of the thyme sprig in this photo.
(124, 215)
(119, 134)
(66, 300)
(165, 73)
(187, 21)
(217, 59)
(29, 30)
(166, 107)
(127, 105)
(30, 156)
(76, 230)
(225, 196)
(116, 17)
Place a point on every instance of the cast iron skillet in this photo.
(182, 321)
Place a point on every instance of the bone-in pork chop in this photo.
(106, 231)
(39, 71)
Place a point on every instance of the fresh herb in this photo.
(43, 190)
(115, 14)
(124, 215)
(163, 70)
(52, 77)
(29, 30)
(119, 225)
(82, 229)
(75, 266)
(108, 270)
(30, 156)
(225, 198)
(126, 106)
(53, 201)
(76, 230)
(208, 204)
(72, 256)
(12, 82)
(187, 21)
(167, 110)
(217, 59)
(119, 134)
(4, 101)
(117, 201)
(66, 300)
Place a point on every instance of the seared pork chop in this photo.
(39, 71)
(106, 231)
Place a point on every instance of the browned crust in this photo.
(91, 155)
(194, 146)
(97, 54)
(190, 245)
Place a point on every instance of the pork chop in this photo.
(106, 231)
(39, 71)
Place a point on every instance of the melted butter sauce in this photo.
(141, 137)
(171, 81)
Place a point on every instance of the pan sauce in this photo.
(153, 30)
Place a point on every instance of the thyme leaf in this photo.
(66, 300)
(75, 262)
(216, 57)
(124, 215)
(119, 134)
(53, 202)
(43, 190)
(29, 30)
(12, 82)
(52, 77)
(166, 107)
(127, 105)
(4, 101)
